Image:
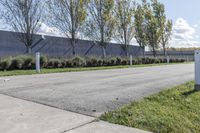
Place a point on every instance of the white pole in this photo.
(168, 59)
(131, 60)
(37, 62)
(197, 70)
(188, 59)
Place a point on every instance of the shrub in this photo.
(118, 61)
(140, 61)
(29, 63)
(5, 64)
(100, 62)
(125, 61)
(144, 60)
(78, 61)
(183, 60)
(17, 63)
(92, 62)
(63, 63)
(111, 61)
(54, 63)
(68, 63)
(161, 60)
(43, 61)
(157, 61)
(134, 62)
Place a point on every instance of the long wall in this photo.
(174, 54)
(57, 46)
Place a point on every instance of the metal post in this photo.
(188, 60)
(197, 70)
(37, 62)
(131, 60)
(168, 59)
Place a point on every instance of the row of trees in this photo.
(98, 20)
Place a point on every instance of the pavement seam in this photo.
(95, 120)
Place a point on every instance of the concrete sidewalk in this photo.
(20, 116)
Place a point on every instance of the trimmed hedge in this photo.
(28, 62)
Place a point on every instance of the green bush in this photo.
(43, 61)
(68, 63)
(63, 63)
(17, 63)
(5, 64)
(100, 62)
(112, 61)
(157, 61)
(29, 63)
(78, 61)
(92, 62)
(118, 61)
(125, 61)
(54, 63)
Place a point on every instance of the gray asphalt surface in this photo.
(95, 92)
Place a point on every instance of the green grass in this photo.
(60, 70)
(176, 110)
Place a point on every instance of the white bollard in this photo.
(197, 70)
(188, 60)
(168, 59)
(37, 62)
(131, 60)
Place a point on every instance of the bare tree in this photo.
(125, 23)
(24, 16)
(101, 22)
(68, 16)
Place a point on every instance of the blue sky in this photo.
(186, 23)
(186, 18)
(188, 9)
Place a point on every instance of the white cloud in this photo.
(196, 25)
(184, 34)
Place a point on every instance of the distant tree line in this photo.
(101, 21)
(182, 49)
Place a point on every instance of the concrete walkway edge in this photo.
(20, 116)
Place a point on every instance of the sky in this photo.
(185, 15)
(186, 22)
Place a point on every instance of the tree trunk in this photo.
(28, 50)
(143, 47)
(125, 39)
(104, 51)
(126, 51)
(164, 51)
(73, 47)
(154, 52)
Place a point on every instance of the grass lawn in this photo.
(176, 110)
(30, 72)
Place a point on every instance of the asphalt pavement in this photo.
(95, 92)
